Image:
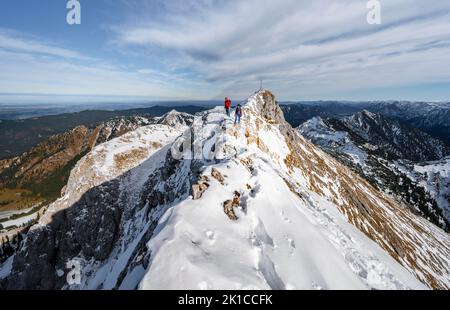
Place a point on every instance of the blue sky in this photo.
(206, 49)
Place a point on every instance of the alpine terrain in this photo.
(431, 117)
(202, 203)
(387, 153)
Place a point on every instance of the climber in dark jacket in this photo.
(238, 114)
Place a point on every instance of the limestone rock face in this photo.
(268, 108)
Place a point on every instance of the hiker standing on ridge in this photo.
(227, 105)
(238, 114)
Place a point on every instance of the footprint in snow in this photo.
(292, 247)
(210, 235)
(260, 235)
(285, 218)
(255, 190)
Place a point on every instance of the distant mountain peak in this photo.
(176, 119)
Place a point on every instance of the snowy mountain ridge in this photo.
(370, 145)
(251, 206)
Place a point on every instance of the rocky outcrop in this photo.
(267, 107)
(229, 205)
(199, 188)
(218, 176)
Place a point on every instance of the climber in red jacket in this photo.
(227, 105)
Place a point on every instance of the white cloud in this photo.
(15, 41)
(30, 66)
(208, 48)
(301, 48)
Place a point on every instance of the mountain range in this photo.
(19, 135)
(429, 117)
(385, 152)
(198, 202)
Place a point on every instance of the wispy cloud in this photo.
(19, 42)
(33, 66)
(301, 48)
